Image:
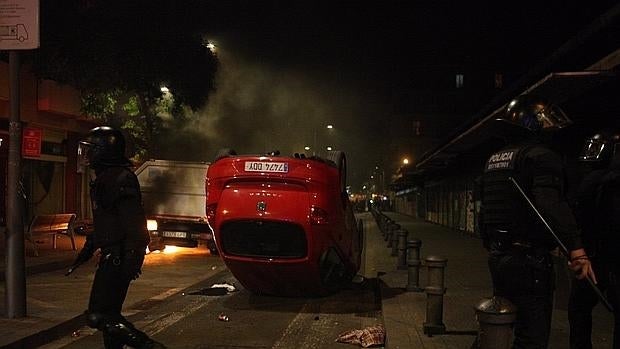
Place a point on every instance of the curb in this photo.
(49, 335)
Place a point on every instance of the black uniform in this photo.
(519, 245)
(120, 232)
(598, 212)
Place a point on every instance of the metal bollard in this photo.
(402, 249)
(386, 228)
(394, 242)
(392, 228)
(434, 295)
(385, 225)
(496, 317)
(413, 265)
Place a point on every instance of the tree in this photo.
(121, 53)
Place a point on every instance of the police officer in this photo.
(598, 213)
(519, 245)
(119, 233)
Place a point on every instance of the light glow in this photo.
(169, 249)
(151, 224)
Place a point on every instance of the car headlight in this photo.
(151, 224)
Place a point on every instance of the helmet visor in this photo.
(84, 153)
(592, 151)
(553, 117)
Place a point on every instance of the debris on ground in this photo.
(220, 289)
(223, 317)
(367, 337)
(227, 286)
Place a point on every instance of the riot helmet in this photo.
(602, 149)
(534, 114)
(103, 146)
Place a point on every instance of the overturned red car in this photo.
(284, 225)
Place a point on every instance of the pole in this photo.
(314, 145)
(562, 246)
(15, 261)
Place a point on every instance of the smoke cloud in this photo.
(261, 106)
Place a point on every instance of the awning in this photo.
(556, 87)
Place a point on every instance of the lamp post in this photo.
(315, 139)
(380, 171)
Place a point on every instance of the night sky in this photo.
(289, 68)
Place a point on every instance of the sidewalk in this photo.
(49, 258)
(467, 281)
(44, 316)
(55, 303)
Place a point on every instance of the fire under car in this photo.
(284, 225)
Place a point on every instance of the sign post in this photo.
(19, 30)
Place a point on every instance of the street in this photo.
(182, 311)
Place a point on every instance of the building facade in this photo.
(51, 124)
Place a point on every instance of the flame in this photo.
(171, 249)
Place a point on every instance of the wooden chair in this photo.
(51, 224)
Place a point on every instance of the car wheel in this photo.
(340, 160)
(334, 273)
(223, 153)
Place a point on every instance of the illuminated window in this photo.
(499, 80)
(459, 80)
(416, 127)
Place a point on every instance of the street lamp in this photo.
(381, 173)
(315, 134)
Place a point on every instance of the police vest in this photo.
(110, 225)
(502, 208)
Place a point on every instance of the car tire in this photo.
(223, 153)
(340, 160)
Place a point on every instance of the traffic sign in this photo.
(19, 24)
(31, 142)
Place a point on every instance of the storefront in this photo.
(51, 124)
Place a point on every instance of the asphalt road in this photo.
(189, 317)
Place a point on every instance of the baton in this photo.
(72, 269)
(562, 246)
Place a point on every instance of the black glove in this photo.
(83, 256)
(132, 263)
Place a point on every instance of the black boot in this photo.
(126, 333)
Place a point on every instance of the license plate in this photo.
(264, 166)
(174, 234)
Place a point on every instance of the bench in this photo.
(51, 224)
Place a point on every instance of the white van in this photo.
(173, 194)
